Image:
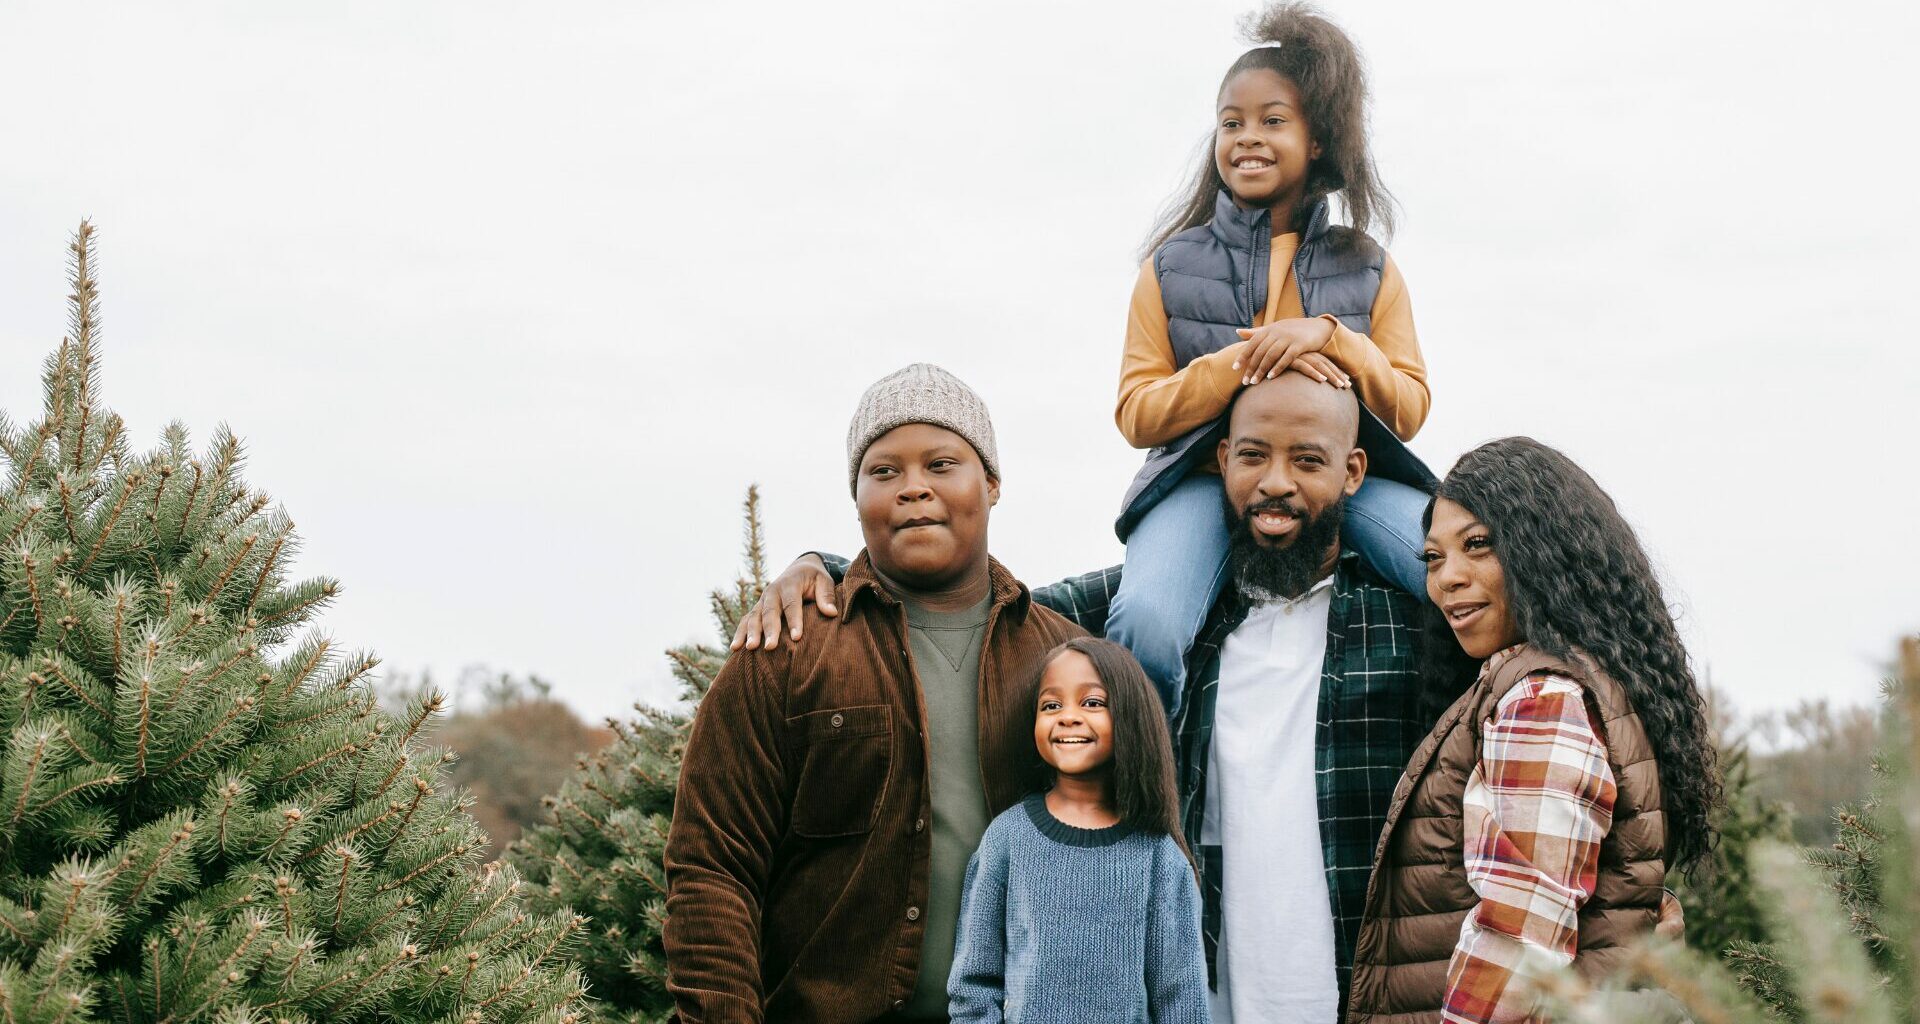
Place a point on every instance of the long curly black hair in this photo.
(1323, 64)
(1577, 580)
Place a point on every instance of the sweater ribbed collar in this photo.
(1071, 835)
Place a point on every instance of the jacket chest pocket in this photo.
(846, 761)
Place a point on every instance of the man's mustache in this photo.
(1274, 504)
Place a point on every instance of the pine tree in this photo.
(1722, 898)
(1844, 922)
(600, 850)
(204, 814)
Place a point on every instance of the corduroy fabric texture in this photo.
(921, 393)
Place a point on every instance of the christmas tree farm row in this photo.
(207, 815)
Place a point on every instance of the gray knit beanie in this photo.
(921, 393)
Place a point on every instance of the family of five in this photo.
(1358, 744)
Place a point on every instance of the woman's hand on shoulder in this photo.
(805, 581)
(1296, 344)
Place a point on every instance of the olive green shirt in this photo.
(946, 660)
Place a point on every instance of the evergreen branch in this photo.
(186, 512)
(72, 1004)
(107, 443)
(223, 971)
(219, 584)
(349, 835)
(403, 903)
(33, 457)
(234, 712)
(266, 570)
(66, 507)
(407, 952)
(109, 779)
(566, 930)
(81, 305)
(186, 678)
(133, 481)
(79, 885)
(458, 850)
(315, 659)
(507, 892)
(184, 833)
(33, 509)
(53, 667)
(146, 716)
(119, 628)
(26, 785)
(327, 593)
(283, 888)
(345, 748)
(159, 491)
(33, 587)
(420, 791)
(290, 819)
(227, 792)
(428, 708)
(73, 744)
(340, 899)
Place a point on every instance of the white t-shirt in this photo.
(1275, 961)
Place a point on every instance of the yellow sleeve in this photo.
(1159, 401)
(1387, 368)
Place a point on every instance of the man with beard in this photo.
(1302, 700)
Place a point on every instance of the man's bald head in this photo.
(1304, 402)
(1289, 461)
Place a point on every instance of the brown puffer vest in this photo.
(1418, 896)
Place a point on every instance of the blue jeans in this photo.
(1177, 562)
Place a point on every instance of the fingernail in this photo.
(1236, 364)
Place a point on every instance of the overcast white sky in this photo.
(511, 302)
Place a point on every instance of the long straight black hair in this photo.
(1296, 42)
(1144, 793)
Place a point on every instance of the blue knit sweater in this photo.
(1060, 925)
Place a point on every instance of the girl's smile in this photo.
(1071, 725)
(1262, 146)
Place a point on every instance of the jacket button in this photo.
(837, 720)
(913, 913)
(919, 824)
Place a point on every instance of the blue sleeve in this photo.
(1176, 960)
(977, 988)
(1082, 600)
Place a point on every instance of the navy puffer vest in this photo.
(1213, 281)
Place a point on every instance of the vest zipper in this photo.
(1253, 310)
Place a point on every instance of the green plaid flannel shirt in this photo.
(1370, 718)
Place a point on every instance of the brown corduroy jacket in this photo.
(797, 864)
(1418, 895)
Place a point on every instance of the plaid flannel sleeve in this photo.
(1082, 600)
(1536, 807)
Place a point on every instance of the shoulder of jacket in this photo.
(1198, 236)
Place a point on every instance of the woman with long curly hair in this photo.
(1553, 795)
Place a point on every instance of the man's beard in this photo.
(1267, 573)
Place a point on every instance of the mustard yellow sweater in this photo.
(1159, 402)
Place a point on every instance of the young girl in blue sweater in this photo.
(1248, 278)
(1080, 903)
